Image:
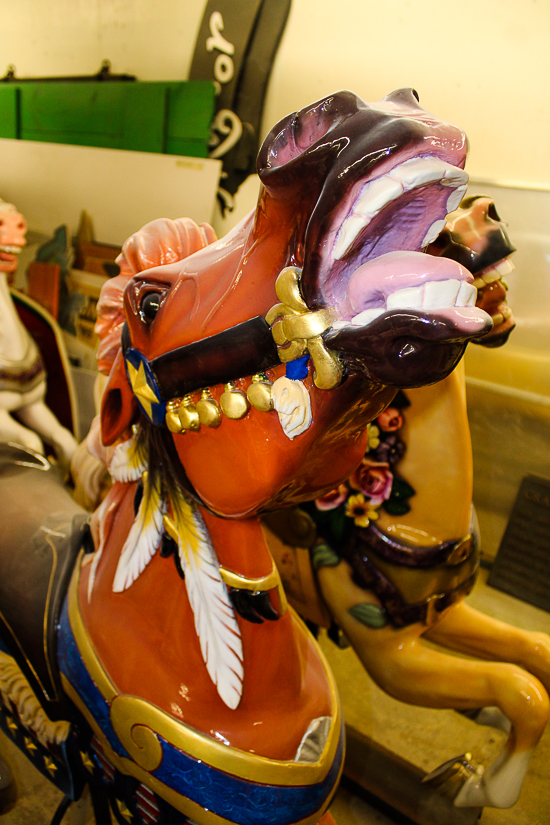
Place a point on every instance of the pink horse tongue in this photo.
(372, 283)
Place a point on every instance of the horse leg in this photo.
(467, 630)
(11, 430)
(413, 673)
(40, 418)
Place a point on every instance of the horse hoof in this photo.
(450, 777)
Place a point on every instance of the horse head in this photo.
(327, 277)
(476, 237)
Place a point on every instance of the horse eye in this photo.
(150, 306)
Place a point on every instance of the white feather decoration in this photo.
(215, 623)
(129, 460)
(101, 514)
(144, 537)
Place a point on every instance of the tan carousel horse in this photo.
(394, 563)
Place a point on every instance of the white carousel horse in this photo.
(22, 373)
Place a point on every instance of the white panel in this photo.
(51, 184)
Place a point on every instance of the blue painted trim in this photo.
(158, 409)
(235, 799)
(74, 669)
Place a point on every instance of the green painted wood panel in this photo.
(172, 117)
(9, 109)
(189, 115)
(115, 115)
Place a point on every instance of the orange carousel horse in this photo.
(243, 374)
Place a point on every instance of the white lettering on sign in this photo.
(224, 68)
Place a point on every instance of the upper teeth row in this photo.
(429, 296)
(404, 177)
(12, 250)
(494, 273)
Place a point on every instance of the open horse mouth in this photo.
(421, 309)
(8, 257)
(491, 286)
(396, 172)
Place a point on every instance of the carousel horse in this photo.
(243, 377)
(397, 553)
(22, 373)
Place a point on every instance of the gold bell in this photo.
(259, 392)
(234, 402)
(209, 412)
(172, 419)
(188, 414)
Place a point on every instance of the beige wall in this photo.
(484, 65)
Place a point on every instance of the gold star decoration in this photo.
(124, 810)
(141, 388)
(12, 725)
(30, 746)
(87, 761)
(51, 767)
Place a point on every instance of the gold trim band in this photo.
(241, 764)
(181, 803)
(231, 579)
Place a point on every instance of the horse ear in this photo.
(119, 407)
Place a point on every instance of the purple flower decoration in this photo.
(390, 450)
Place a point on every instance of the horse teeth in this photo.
(418, 172)
(467, 295)
(454, 199)
(506, 312)
(497, 319)
(432, 233)
(440, 294)
(454, 176)
(432, 295)
(376, 195)
(490, 277)
(505, 267)
(349, 231)
(410, 298)
(366, 317)
(479, 283)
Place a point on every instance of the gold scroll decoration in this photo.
(297, 330)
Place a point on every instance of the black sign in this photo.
(235, 48)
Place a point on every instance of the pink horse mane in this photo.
(162, 241)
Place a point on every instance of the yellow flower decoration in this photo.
(373, 436)
(359, 509)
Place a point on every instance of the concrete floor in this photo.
(424, 737)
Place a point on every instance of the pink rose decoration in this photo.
(374, 480)
(333, 499)
(390, 420)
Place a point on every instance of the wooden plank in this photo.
(9, 103)
(144, 117)
(111, 115)
(189, 114)
(398, 783)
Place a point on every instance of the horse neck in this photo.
(14, 339)
(437, 463)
